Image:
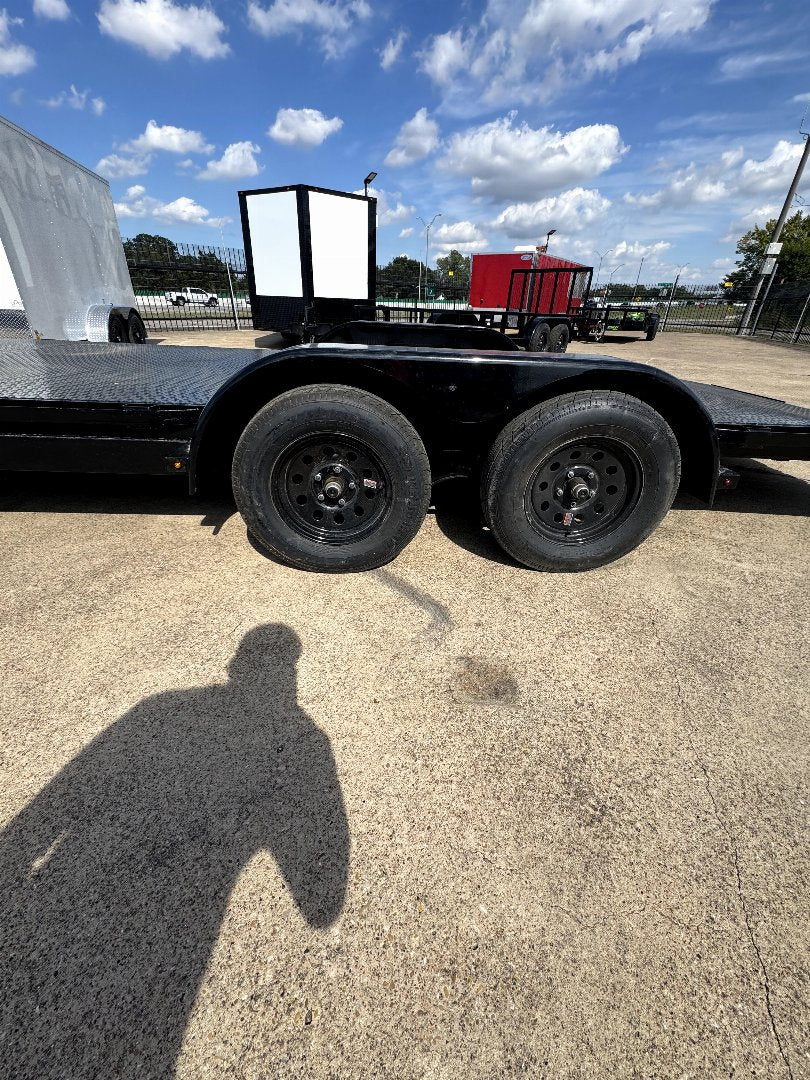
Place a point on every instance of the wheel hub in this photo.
(582, 489)
(332, 488)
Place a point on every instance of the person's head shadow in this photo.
(115, 878)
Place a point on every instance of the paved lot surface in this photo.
(447, 819)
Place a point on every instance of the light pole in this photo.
(602, 255)
(428, 227)
(610, 279)
(549, 234)
(371, 176)
(671, 294)
(638, 275)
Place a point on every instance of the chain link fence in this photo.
(195, 287)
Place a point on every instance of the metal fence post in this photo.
(800, 323)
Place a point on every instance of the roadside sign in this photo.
(664, 285)
(768, 266)
(774, 249)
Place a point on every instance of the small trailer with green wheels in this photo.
(333, 450)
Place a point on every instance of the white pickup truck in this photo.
(192, 296)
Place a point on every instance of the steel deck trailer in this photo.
(332, 449)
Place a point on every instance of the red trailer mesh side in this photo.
(490, 276)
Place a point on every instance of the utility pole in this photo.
(428, 227)
(769, 266)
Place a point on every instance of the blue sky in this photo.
(659, 129)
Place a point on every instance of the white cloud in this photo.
(303, 127)
(14, 58)
(405, 232)
(77, 99)
(692, 184)
(237, 161)
(175, 140)
(534, 56)
(507, 162)
(52, 9)
(393, 47)
(182, 211)
(163, 28)
(801, 99)
(16, 96)
(571, 211)
(390, 207)
(118, 167)
(636, 250)
(726, 178)
(748, 64)
(774, 173)
(417, 138)
(461, 235)
(333, 22)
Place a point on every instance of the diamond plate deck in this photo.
(77, 371)
(734, 408)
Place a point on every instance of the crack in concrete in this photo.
(735, 857)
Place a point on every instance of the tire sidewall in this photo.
(638, 433)
(254, 476)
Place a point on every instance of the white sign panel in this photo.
(339, 229)
(273, 222)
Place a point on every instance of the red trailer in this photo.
(492, 275)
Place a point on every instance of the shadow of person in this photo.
(114, 880)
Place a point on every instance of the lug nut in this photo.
(317, 476)
(570, 474)
(336, 469)
(591, 475)
(341, 502)
(320, 498)
(352, 485)
(558, 492)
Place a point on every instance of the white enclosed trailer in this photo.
(63, 274)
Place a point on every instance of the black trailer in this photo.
(333, 450)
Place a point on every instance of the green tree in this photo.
(399, 279)
(794, 262)
(455, 265)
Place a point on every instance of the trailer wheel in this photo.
(559, 338)
(596, 332)
(117, 328)
(652, 330)
(136, 331)
(331, 478)
(539, 337)
(580, 480)
(212, 301)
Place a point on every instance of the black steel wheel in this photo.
(539, 337)
(559, 338)
(136, 331)
(580, 480)
(331, 478)
(117, 328)
(597, 331)
(212, 301)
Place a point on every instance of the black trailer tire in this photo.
(136, 331)
(608, 444)
(331, 478)
(117, 328)
(539, 337)
(652, 330)
(212, 302)
(559, 338)
(180, 301)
